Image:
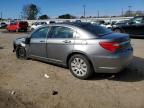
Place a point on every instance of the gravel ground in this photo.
(23, 83)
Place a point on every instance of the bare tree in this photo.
(30, 11)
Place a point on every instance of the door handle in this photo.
(67, 41)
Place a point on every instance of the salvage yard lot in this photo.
(23, 83)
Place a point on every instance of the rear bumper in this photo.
(113, 63)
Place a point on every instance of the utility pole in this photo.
(84, 7)
(1, 15)
(122, 12)
(130, 10)
(98, 14)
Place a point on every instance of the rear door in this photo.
(60, 43)
(37, 47)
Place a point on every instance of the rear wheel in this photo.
(21, 53)
(80, 66)
(118, 30)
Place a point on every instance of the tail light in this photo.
(110, 46)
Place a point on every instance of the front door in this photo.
(129, 28)
(60, 43)
(37, 46)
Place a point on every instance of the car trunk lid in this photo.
(121, 40)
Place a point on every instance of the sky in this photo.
(54, 8)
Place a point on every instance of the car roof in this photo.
(69, 24)
(77, 26)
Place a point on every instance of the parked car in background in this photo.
(18, 26)
(107, 25)
(51, 22)
(66, 21)
(78, 21)
(99, 22)
(3, 25)
(134, 27)
(120, 23)
(35, 25)
(83, 47)
(102, 23)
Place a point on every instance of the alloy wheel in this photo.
(79, 67)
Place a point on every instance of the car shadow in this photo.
(133, 73)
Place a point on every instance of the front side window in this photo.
(40, 33)
(61, 32)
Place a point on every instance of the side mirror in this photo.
(27, 40)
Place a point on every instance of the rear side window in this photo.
(40, 33)
(95, 29)
(61, 32)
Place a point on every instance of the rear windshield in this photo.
(95, 29)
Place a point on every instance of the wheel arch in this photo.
(81, 53)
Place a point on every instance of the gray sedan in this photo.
(83, 47)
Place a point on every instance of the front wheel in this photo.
(80, 66)
(21, 53)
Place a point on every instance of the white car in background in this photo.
(3, 24)
(102, 23)
(35, 25)
(108, 25)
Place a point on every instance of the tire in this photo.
(32, 29)
(21, 53)
(118, 30)
(80, 67)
